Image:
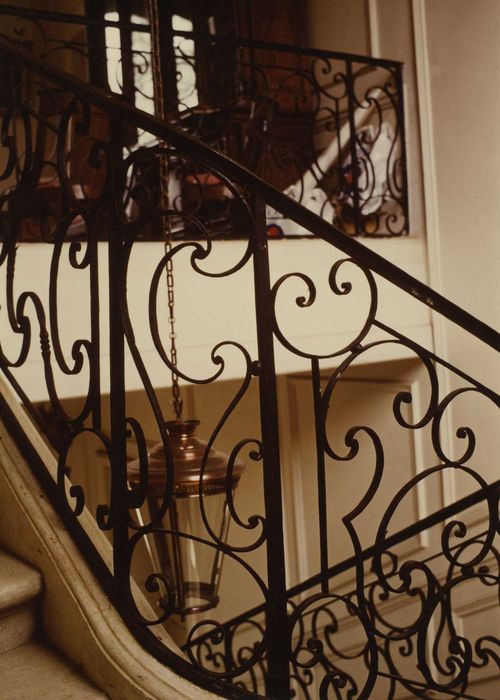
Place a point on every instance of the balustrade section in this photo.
(324, 127)
(386, 621)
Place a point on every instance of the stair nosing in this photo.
(19, 583)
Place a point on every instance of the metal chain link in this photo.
(159, 104)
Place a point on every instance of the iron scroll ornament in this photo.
(83, 258)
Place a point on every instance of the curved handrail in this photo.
(191, 147)
(71, 18)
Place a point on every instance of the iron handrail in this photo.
(190, 146)
(69, 18)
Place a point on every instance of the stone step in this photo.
(20, 585)
(33, 671)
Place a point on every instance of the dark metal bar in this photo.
(400, 110)
(90, 20)
(167, 58)
(277, 632)
(128, 88)
(204, 154)
(95, 332)
(292, 48)
(320, 460)
(96, 37)
(181, 602)
(351, 101)
(228, 650)
(117, 286)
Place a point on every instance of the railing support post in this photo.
(351, 102)
(118, 457)
(400, 110)
(278, 632)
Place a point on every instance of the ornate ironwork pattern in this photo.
(71, 176)
(324, 127)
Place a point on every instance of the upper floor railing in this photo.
(69, 182)
(325, 127)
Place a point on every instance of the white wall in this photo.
(458, 47)
(463, 41)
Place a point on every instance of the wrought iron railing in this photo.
(325, 127)
(66, 180)
(316, 621)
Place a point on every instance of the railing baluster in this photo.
(320, 460)
(98, 73)
(119, 511)
(278, 635)
(95, 362)
(351, 106)
(128, 87)
(400, 110)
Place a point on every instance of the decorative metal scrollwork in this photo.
(76, 178)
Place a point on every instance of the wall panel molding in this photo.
(431, 214)
(373, 28)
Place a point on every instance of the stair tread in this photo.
(33, 671)
(19, 583)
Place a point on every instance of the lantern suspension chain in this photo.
(159, 104)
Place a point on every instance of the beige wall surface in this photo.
(341, 25)
(463, 58)
(464, 55)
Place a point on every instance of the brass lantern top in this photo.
(187, 452)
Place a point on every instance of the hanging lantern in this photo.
(193, 568)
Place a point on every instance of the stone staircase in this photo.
(29, 668)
